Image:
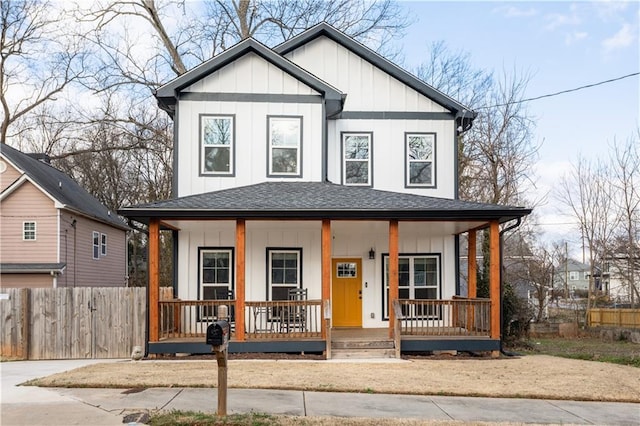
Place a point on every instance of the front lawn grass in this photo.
(587, 348)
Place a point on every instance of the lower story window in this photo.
(96, 245)
(284, 272)
(216, 273)
(418, 278)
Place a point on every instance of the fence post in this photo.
(26, 327)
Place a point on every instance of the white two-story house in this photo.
(318, 166)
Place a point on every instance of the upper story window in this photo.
(29, 231)
(217, 144)
(103, 244)
(96, 245)
(285, 146)
(574, 275)
(420, 168)
(356, 159)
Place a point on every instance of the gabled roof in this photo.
(167, 95)
(323, 29)
(59, 187)
(318, 200)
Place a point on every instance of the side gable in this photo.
(312, 51)
(58, 186)
(168, 94)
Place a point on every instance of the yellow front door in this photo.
(346, 292)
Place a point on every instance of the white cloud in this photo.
(557, 20)
(623, 38)
(575, 37)
(516, 12)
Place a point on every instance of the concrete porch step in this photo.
(362, 344)
(362, 353)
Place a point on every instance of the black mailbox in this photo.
(218, 333)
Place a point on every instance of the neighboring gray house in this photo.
(53, 233)
(574, 276)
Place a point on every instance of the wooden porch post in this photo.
(154, 279)
(494, 277)
(472, 266)
(393, 273)
(326, 269)
(240, 277)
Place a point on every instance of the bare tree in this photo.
(38, 59)
(626, 173)
(587, 190)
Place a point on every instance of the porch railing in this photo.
(455, 317)
(283, 319)
(280, 319)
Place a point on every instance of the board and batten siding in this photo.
(250, 74)
(247, 75)
(388, 153)
(251, 140)
(28, 204)
(368, 88)
(10, 175)
(349, 239)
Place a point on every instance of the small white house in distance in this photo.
(316, 191)
(53, 233)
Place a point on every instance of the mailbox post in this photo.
(218, 337)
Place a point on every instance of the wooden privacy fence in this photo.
(628, 318)
(70, 323)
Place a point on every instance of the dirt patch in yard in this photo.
(534, 376)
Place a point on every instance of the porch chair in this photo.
(296, 318)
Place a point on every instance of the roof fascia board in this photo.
(26, 178)
(324, 29)
(168, 93)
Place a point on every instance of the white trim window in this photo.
(284, 272)
(217, 144)
(96, 245)
(356, 159)
(103, 244)
(216, 273)
(418, 278)
(28, 231)
(285, 146)
(420, 168)
(574, 275)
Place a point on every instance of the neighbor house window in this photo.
(96, 245)
(285, 146)
(217, 144)
(356, 159)
(216, 273)
(420, 168)
(418, 278)
(103, 244)
(29, 231)
(574, 276)
(285, 271)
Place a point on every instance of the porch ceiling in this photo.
(318, 200)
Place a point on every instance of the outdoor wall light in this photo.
(372, 253)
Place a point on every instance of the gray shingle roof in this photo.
(31, 268)
(61, 187)
(316, 200)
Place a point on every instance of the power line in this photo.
(562, 92)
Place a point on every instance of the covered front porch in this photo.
(305, 326)
(410, 288)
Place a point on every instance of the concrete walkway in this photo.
(22, 405)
